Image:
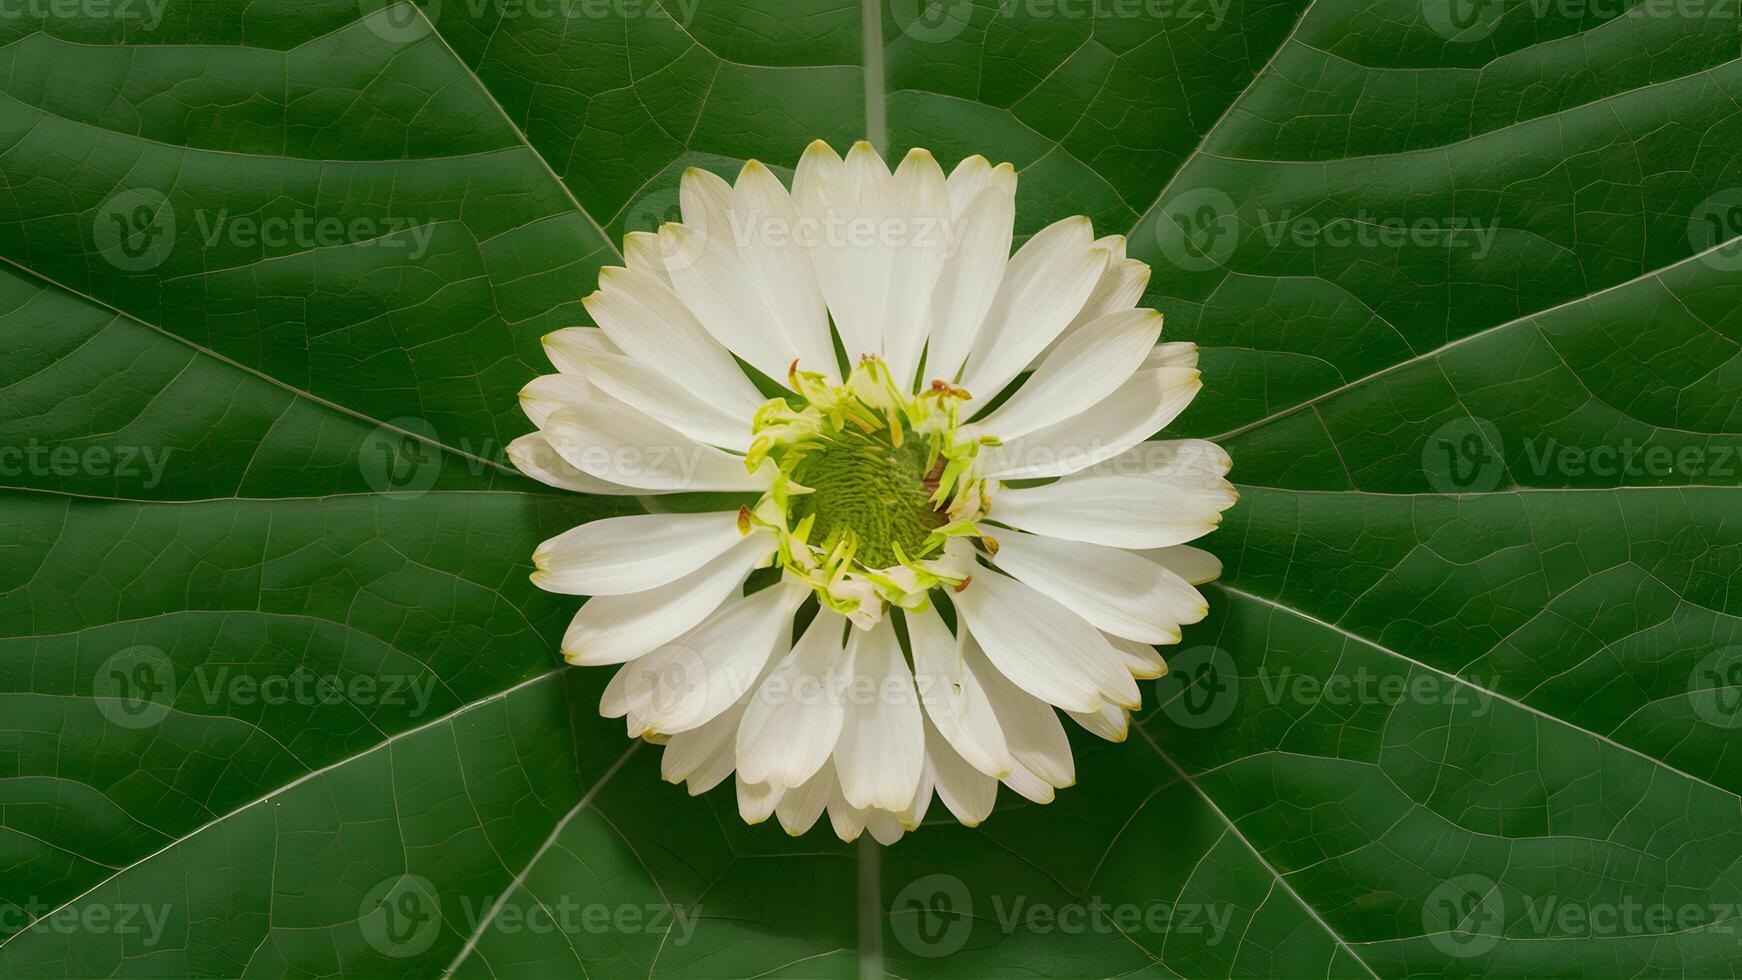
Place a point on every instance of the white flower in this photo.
(940, 569)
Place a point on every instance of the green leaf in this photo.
(278, 697)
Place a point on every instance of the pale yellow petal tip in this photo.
(573, 657)
(795, 831)
(1120, 737)
(919, 154)
(750, 822)
(819, 146)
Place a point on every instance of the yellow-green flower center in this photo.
(867, 490)
(871, 483)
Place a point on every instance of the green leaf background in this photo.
(1463, 700)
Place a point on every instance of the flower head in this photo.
(937, 517)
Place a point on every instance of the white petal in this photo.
(703, 756)
(1143, 660)
(1192, 564)
(646, 320)
(712, 281)
(533, 455)
(1028, 785)
(646, 390)
(553, 392)
(799, 808)
(1043, 647)
(614, 629)
(1116, 591)
(1038, 744)
(912, 815)
(569, 347)
(1154, 495)
(972, 176)
(819, 161)
(865, 175)
(884, 826)
(971, 275)
(1083, 370)
(1175, 353)
(1145, 404)
(641, 254)
(1119, 288)
(794, 718)
(848, 820)
(766, 230)
(757, 802)
(629, 554)
(706, 200)
(851, 261)
(617, 443)
(882, 746)
(1045, 284)
(687, 682)
(968, 793)
(919, 211)
(954, 699)
(1112, 722)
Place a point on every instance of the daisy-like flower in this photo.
(914, 558)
